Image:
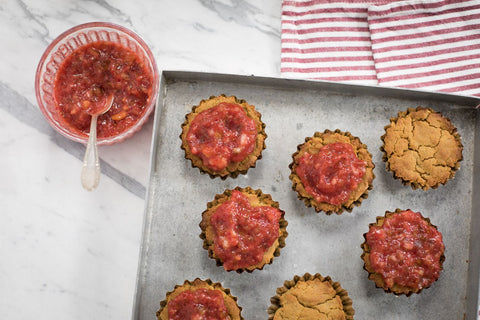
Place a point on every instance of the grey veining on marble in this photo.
(71, 254)
(24, 111)
(66, 253)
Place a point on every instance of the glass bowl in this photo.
(62, 47)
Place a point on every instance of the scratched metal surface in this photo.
(330, 245)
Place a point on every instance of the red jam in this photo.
(200, 304)
(92, 73)
(243, 233)
(222, 135)
(406, 250)
(331, 174)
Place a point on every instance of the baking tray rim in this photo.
(169, 76)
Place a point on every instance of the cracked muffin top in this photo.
(311, 297)
(422, 148)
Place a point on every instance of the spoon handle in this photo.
(90, 175)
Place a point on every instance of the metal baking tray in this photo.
(177, 194)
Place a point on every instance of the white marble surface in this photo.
(71, 254)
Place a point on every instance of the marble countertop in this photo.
(72, 254)
(68, 253)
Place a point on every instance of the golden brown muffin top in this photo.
(422, 148)
(311, 297)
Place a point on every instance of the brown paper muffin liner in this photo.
(256, 198)
(313, 295)
(421, 148)
(234, 168)
(377, 277)
(313, 145)
(234, 311)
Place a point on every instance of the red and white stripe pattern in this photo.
(428, 45)
(328, 40)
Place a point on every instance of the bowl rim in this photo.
(155, 89)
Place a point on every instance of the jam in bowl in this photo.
(83, 66)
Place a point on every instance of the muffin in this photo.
(403, 252)
(421, 148)
(243, 229)
(199, 298)
(223, 136)
(311, 297)
(332, 171)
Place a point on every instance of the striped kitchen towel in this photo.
(430, 45)
(327, 40)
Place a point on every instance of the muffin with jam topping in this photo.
(243, 229)
(311, 297)
(403, 252)
(332, 171)
(223, 136)
(422, 148)
(199, 299)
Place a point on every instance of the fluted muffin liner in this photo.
(342, 294)
(256, 198)
(377, 277)
(234, 168)
(313, 145)
(421, 167)
(234, 311)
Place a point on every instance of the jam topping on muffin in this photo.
(406, 250)
(199, 299)
(243, 233)
(331, 174)
(221, 135)
(332, 171)
(198, 304)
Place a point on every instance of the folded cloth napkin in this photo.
(424, 44)
(327, 40)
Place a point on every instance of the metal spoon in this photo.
(90, 175)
